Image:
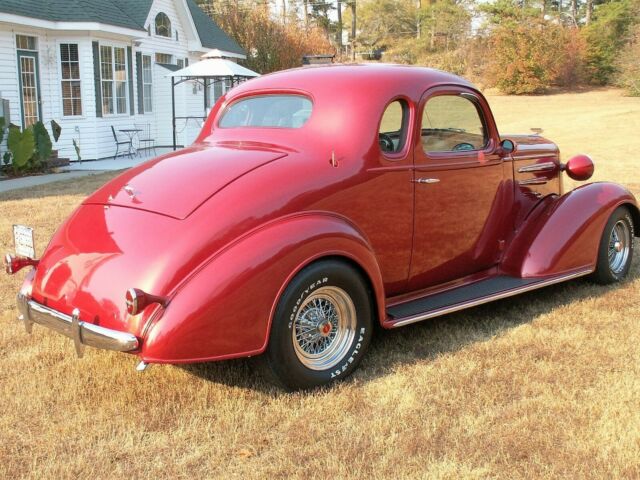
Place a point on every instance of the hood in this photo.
(176, 184)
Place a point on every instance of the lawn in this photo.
(544, 385)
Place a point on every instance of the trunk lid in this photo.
(176, 184)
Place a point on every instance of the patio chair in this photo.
(120, 142)
(145, 137)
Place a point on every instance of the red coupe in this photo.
(316, 203)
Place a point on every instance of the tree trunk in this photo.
(353, 30)
(306, 14)
(419, 20)
(339, 28)
(574, 11)
(587, 18)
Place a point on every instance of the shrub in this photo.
(22, 148)
(605, 37)
(43, 147)
(629, 65)
(530, 58)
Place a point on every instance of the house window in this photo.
(24, 42)
(164, 58)
(70, 67)
(180, 63)
(163, 25)
(147, 84)
(113, 70)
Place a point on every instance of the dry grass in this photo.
(542, 386)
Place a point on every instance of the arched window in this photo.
(163, 25)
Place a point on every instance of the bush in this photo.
(605, 37)
(530, 58)
(629, 66)
(22, 148)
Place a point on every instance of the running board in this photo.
(468, 296)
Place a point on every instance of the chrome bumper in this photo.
(82, 333)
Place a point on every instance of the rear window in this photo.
(275, 111)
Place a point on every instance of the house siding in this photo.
(91, 132)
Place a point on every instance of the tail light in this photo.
(13, 264)
(137, 300)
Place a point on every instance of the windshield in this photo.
(280, 111)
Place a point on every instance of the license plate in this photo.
(23, 240)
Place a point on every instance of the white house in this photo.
(93, 64)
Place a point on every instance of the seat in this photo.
(145, 139)
(120, 142)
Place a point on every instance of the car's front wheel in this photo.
(321, 328)
(616, 248)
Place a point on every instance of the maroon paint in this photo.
(221, 227)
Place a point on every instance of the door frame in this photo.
(34, 55)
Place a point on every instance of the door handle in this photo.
(425, 180)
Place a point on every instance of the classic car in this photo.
(315, 204)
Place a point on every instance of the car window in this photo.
(393, 127)
(280, 111)
(452, 123)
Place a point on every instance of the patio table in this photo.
(131, 132)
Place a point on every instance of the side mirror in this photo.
(506, 147)
(579, 168)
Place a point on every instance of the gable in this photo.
(212, 36)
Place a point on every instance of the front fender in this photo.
(224, 310)
(563, 235)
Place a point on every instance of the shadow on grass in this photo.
(429, 339)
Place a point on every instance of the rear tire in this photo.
(616, 248)
(321, 328)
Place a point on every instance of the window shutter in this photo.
(96, 78)
(132, 109)
(139, 83)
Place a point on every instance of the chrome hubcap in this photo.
(619, 247)
(324, 328)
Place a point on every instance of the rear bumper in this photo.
(82, 333)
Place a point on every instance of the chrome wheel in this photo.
(324, 328)
(619, 247)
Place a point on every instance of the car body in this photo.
(213, 235)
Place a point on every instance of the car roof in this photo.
(353, 79)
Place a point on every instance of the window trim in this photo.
(256, 94)
(151, 64)
(114, 81)
(59, 44)
(155, 26)
(408, 116)
(463, 157)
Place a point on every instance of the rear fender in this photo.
(225, 309)
(563, 234)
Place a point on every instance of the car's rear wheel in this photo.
(321, 328)
(616, 248)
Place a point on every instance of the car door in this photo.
(462, 201)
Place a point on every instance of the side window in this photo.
(392, 133)
(452, 123)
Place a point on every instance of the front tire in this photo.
(616, 248)
(322, 326)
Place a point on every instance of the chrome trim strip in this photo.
(533, 181)
(426, 180)
(538, 167)
(479, 301)
(82, 333)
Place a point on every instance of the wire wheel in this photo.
(324, 328)
(619, 247)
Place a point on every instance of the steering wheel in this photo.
(386, 142)
(462, 147)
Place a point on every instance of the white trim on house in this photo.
(70, 26)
